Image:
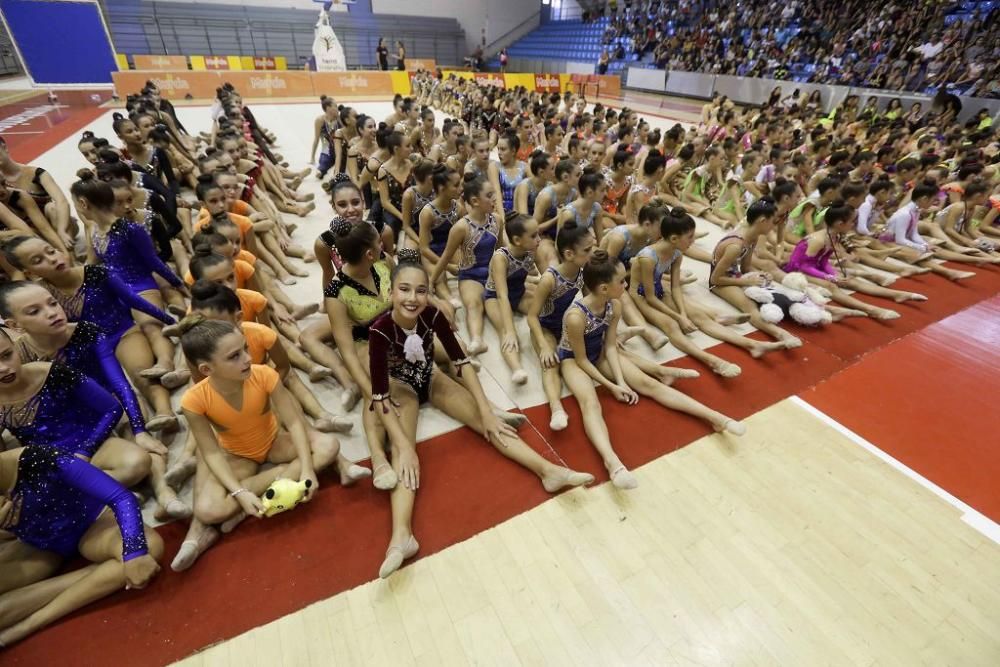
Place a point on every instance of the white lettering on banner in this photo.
(547, 82)
(27, 115)
(216, 61)
(272, 84)
(172, 84)
(353, 82)
(161, 61)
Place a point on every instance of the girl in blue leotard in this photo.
(436, 220)
(92, 294)
(475, 237)
(588, 353)
(507, 288)
(554, 292)
(586, 209)
(510, 170)
(670, 311)
(54, 504)
(543, 171)
(550, 201)
(126, 249)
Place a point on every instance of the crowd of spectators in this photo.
(896, 45)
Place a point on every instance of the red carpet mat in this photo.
(31, 127)
(270, 568)
(930, 401)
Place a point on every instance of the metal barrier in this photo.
(752, 91)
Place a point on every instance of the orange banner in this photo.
(352, 83)
(547, 83)
(610, 85)
(172, 85)
(271, 84)
(413, 64)
(160, 62)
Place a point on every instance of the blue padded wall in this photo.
(60, 42)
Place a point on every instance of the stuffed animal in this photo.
(794, 297)
(283, 495)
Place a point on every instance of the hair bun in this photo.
(340, 226)
(599, 256)
(408, 256)
(340, 178)
(191, 321)
(86, 175)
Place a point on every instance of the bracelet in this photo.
(238, 492)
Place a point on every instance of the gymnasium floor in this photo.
(854, 524)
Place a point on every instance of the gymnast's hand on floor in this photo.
(139, 571)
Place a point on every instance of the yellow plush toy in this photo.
(283, 495)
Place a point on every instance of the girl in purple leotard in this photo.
(126, 249)
(48, 336)
(54, 504)
(92, 294)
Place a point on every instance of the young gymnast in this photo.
(394, 177)
(475, 236)
(958, 219)
(38, 184)
(54, 504)
(670, 311)
(555, 291)
(510, 171)
(241, 417)
(436, 220)
(93, 294)
(507, 287)
(403, 377)
(542, 167)
(549, 203)
(126, 249)
(588, 353)
(732, 261)
(586, 209)
(812, 257)
(415, 199)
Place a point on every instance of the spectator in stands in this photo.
(382, 54)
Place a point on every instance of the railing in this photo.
(531, 23)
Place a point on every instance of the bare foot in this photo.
(760, 349)
(560, 478)
(301, 273)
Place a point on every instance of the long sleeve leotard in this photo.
(128, 252)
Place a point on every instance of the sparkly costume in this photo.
(106, 301)
(90, 352)
(388, 358)
(660, 268)
(395, 191)
(559, 299)
(61, 498)
(440, 228)
(591, 217)
(477, 250)
(363, 305)
(627, 252)
(533, 193)
(517, 273)
(128, 252)
(593, 333)
(555, 205)
(818, 266)
(509, 183)
(736, 270)
(70, 413)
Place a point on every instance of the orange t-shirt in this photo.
(251, 303)
(242, 270)
(249, 432)
(247, 257)
(244, 223)
(260, 340)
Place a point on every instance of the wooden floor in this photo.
(790, 546)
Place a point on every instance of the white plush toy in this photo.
(795, 297)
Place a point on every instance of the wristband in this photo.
(238, 492)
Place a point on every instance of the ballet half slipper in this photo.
(395, 556)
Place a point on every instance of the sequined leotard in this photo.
(593, 333)
(477, 250)
(559, 299)
(508, 184)
(128, 252)
(517, 274)
(62, 496)
(71, 413)
(90, 352)
(363, 305)
(660, 268)
(443, 222)
(554, 206)
(388, 359)
(106, 301)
